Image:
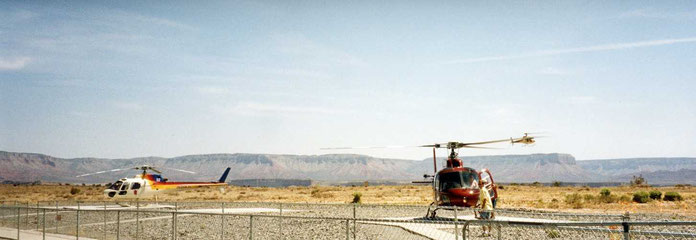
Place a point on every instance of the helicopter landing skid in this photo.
(432, 212)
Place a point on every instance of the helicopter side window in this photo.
(135, 186)
(116, 185)
(124, 187)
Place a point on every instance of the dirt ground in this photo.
(576, 199)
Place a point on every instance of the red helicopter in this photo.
(457, 185)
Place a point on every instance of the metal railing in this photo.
(234, 220)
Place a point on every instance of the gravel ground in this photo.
(189, 226)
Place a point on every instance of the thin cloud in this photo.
(582, 100)
(298, 45)
(553, 71)
(658, 14)
(15, 64)
(214, 90)
(129, 106)
(253, 108)
(127, 16)
(597, 48)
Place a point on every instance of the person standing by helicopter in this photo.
(485, 205)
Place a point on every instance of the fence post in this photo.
(280, 219)
(43, 223)
(56, 219)
(251, 227)
(222, 222)
(137, 219)
(37, 215)
(500, 232)
(118, 224)
(465, 228)
(456, 226)
(626, 227)
(347, 229)
(176, 220)
(354, 216)
(18, 217)
(77, 223)
(104, 229)
(173, 224)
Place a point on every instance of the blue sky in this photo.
(133, 78)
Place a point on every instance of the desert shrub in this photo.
(574, 200)
(537, 184)
(611, 199)
(551, 233)
(553, 203)
(682, 185)
(606, 197)
(641, 197)
(588, 198)
(638, 181)
(366, 184)
(74, 190)
(625, 198)
(672, 196)
(357, 197)
(556, 184)
(655, 195)
(318, 193)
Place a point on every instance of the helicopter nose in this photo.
(109, 193)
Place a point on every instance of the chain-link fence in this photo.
(263, 220)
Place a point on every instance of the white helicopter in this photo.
(147, 184)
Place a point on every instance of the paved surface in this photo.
(11, 233)
(446, 231)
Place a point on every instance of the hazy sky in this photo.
(606, 79)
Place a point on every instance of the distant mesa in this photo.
(342, 168)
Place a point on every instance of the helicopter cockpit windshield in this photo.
(116, 185)
(458, 180)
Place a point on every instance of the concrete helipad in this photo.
(446, 231)
(11, 233)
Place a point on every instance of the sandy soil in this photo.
(530, 197)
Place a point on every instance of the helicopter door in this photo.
(490, 183)
(124, 188)
(135, 188)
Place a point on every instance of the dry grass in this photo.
(578, 199)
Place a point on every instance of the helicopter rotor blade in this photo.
(155, 170)
(380, 147)
(100, 172)
(459, 145)
(438, 145)
(180, 170)
(480, 147)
